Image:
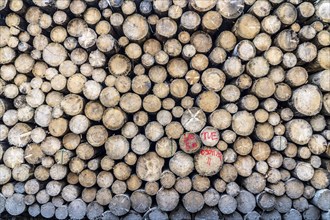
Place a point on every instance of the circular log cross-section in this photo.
(135, 28)
(208, 161)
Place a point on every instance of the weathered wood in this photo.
(15, 204)
(183, 185)
(97, 97)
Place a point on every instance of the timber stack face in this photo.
(165, 109)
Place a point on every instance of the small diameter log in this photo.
(304, 171)
(189, 142)
(266, 201)
(243, 123)
(320, 80)
(227, 204)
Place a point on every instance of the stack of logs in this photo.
(180, 109)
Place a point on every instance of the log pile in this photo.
(121, 109)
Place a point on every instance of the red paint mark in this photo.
(189, 141)
(209, 161)
(209, 135)
(211, 152)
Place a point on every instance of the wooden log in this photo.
(297, 124)
(193, 201)
(200, 183)
(232, 189)
(246, 50)
(243, 123)
(120, 205)
(255, 183)
(181, 164)
(311, 212)
(244, 165)
(230, 10)
(5, 174)
(164, 196)
(321, 39)
(320, 179)
(227, 204)
(155, 213)
(211, 197)
(2, 203)
(180, 212)
(15, 204)
(228, 173)
(118, 187)
(140, 201)
(247, 27)
(165, 28)
(242, 205)
(227, 40)
(143, 164)
(167, 179)
(266, 201)
(183, 185)
(208, 157)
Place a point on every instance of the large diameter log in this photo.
(295, 128)
(149, 167)
(320, 199)
(208, 161)
(135, 28)
(15, 204)
(54, 54)
(307, 100)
